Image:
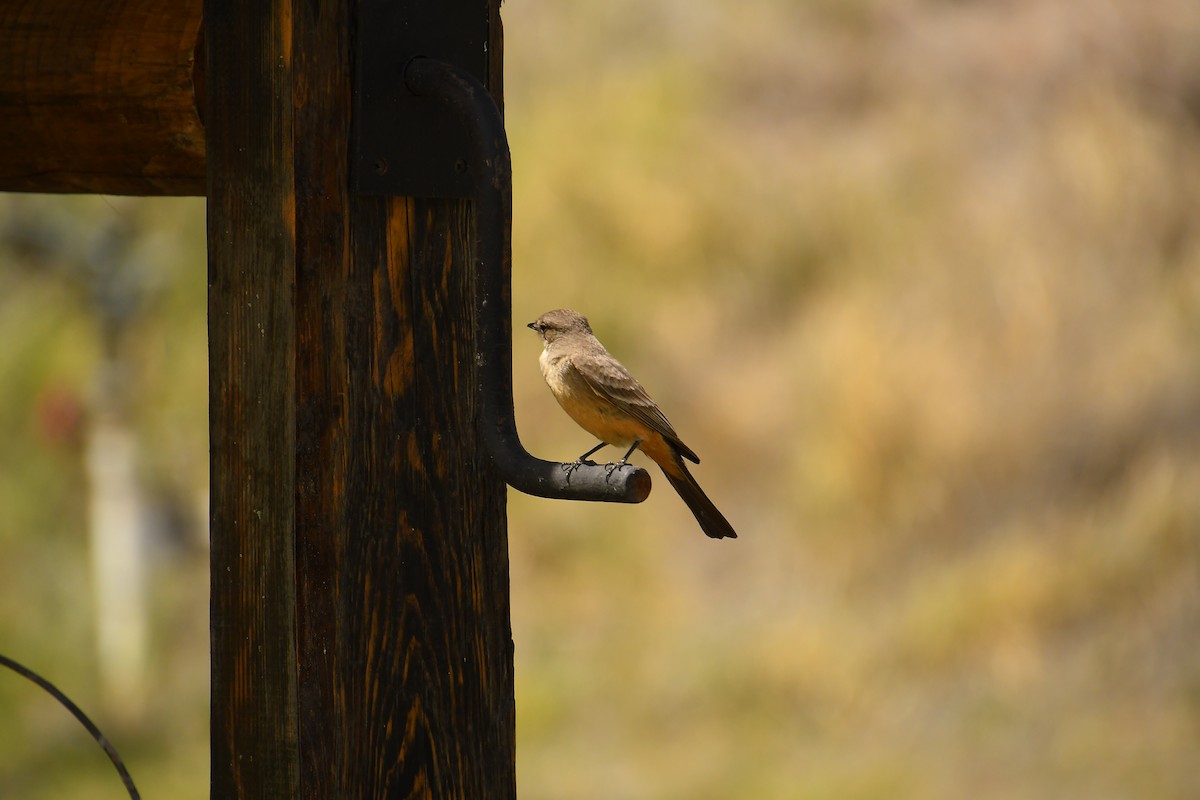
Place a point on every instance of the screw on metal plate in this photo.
(403, 143)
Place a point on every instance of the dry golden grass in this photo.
(919, 282)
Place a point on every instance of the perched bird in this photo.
(608, 402)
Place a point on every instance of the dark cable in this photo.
(113, 756)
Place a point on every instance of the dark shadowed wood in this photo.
(99, 97)
(252, 402)
(361, 638)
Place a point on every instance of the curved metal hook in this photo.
(492, 179)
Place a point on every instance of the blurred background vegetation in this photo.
(920, 282)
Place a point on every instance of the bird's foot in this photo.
(576, 464)
(614, 466)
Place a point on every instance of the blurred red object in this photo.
(59, 413)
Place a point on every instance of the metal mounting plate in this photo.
(403, 144)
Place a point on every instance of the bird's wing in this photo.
(609, 379)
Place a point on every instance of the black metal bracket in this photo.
(404, 143)
(490, 169)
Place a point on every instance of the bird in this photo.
(604, 399)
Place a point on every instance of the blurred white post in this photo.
(117, 553)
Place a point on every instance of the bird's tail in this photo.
(712, 521)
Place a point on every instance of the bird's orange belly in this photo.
(603, 420)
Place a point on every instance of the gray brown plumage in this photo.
(608, 402)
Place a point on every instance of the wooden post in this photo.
(361, 643)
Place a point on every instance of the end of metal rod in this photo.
(596, 482)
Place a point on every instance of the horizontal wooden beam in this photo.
(101, 97)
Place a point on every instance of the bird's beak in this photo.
(532, 326)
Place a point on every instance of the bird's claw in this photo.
(570, 468)
(614, 466)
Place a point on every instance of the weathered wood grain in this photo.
(101, 97)
(361, 637)
(252, 401)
